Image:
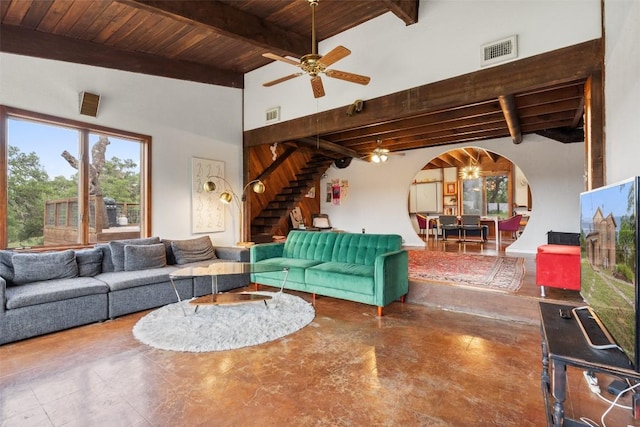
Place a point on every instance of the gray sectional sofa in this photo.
(51, 291)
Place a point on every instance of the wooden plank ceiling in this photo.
(216, 42)
(208, 41)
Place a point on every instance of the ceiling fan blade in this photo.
(281, 58)
(334, 55)
(318, 88)
(281, 79)
(350, 77)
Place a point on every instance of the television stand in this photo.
(564, 344)
(593, 330)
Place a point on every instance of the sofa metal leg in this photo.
(257, 286)
(542, 293)
(403, 298)
(313, 299)
(379, 311)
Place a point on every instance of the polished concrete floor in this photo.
(415, 366)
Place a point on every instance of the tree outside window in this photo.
(56, 199)
(487, 196)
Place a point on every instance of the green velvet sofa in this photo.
(368, 268)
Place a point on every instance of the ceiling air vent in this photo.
(499, 51)
(272, 115)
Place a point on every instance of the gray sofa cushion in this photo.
(89, 262)
(142, 257)
(130, 279)
(117, 249)
(193, 250)
(6, 266)
(53, 290)
(44, 266)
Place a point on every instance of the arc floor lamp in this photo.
(228, 196)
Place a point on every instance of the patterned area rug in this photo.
(223, 327)
(489, 272)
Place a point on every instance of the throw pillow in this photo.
(171, 260)
(143, 257)
(107, 264)
(44, 266)
(117, 249)
(193, 250)
(89, 262)
(6, 266)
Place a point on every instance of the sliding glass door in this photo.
(487, 196)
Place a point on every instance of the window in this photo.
(486, 196)
(56, 196)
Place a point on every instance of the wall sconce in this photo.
(228, 195)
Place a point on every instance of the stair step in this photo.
(266, 222)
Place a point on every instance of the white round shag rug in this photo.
(223, 327)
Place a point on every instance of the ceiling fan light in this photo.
(384, 157)
(375, 158)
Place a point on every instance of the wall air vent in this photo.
(499, 51)
(272, 115)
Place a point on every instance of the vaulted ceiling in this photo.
(216, 42)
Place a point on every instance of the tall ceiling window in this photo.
(67, 183)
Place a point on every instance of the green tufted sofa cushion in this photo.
(309, 245)
(364, 248)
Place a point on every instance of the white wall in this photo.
(377, 196)
(446, 42)
(185, 119)
(622, 89)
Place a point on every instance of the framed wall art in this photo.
(207, 212)
(450, 188)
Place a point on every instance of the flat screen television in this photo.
(609, 264)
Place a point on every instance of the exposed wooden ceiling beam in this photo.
(329, 146)
(490, 154)
(565, 135)
(41, 45)
(230, 22)
(564, 65)
(510, 111)
(407, 10)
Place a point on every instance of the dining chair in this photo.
(510, 224)
(422, 224)
(448, 223)
(470, 223)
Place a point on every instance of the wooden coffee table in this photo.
(224, 269)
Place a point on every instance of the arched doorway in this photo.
(469, 180)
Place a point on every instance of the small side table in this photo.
(563, 344)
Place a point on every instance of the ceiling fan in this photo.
(379, 154)
(314, 64)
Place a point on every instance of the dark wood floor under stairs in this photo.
(416, 366)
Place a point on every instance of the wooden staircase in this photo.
(275, 215)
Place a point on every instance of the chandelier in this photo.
(470, 172)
